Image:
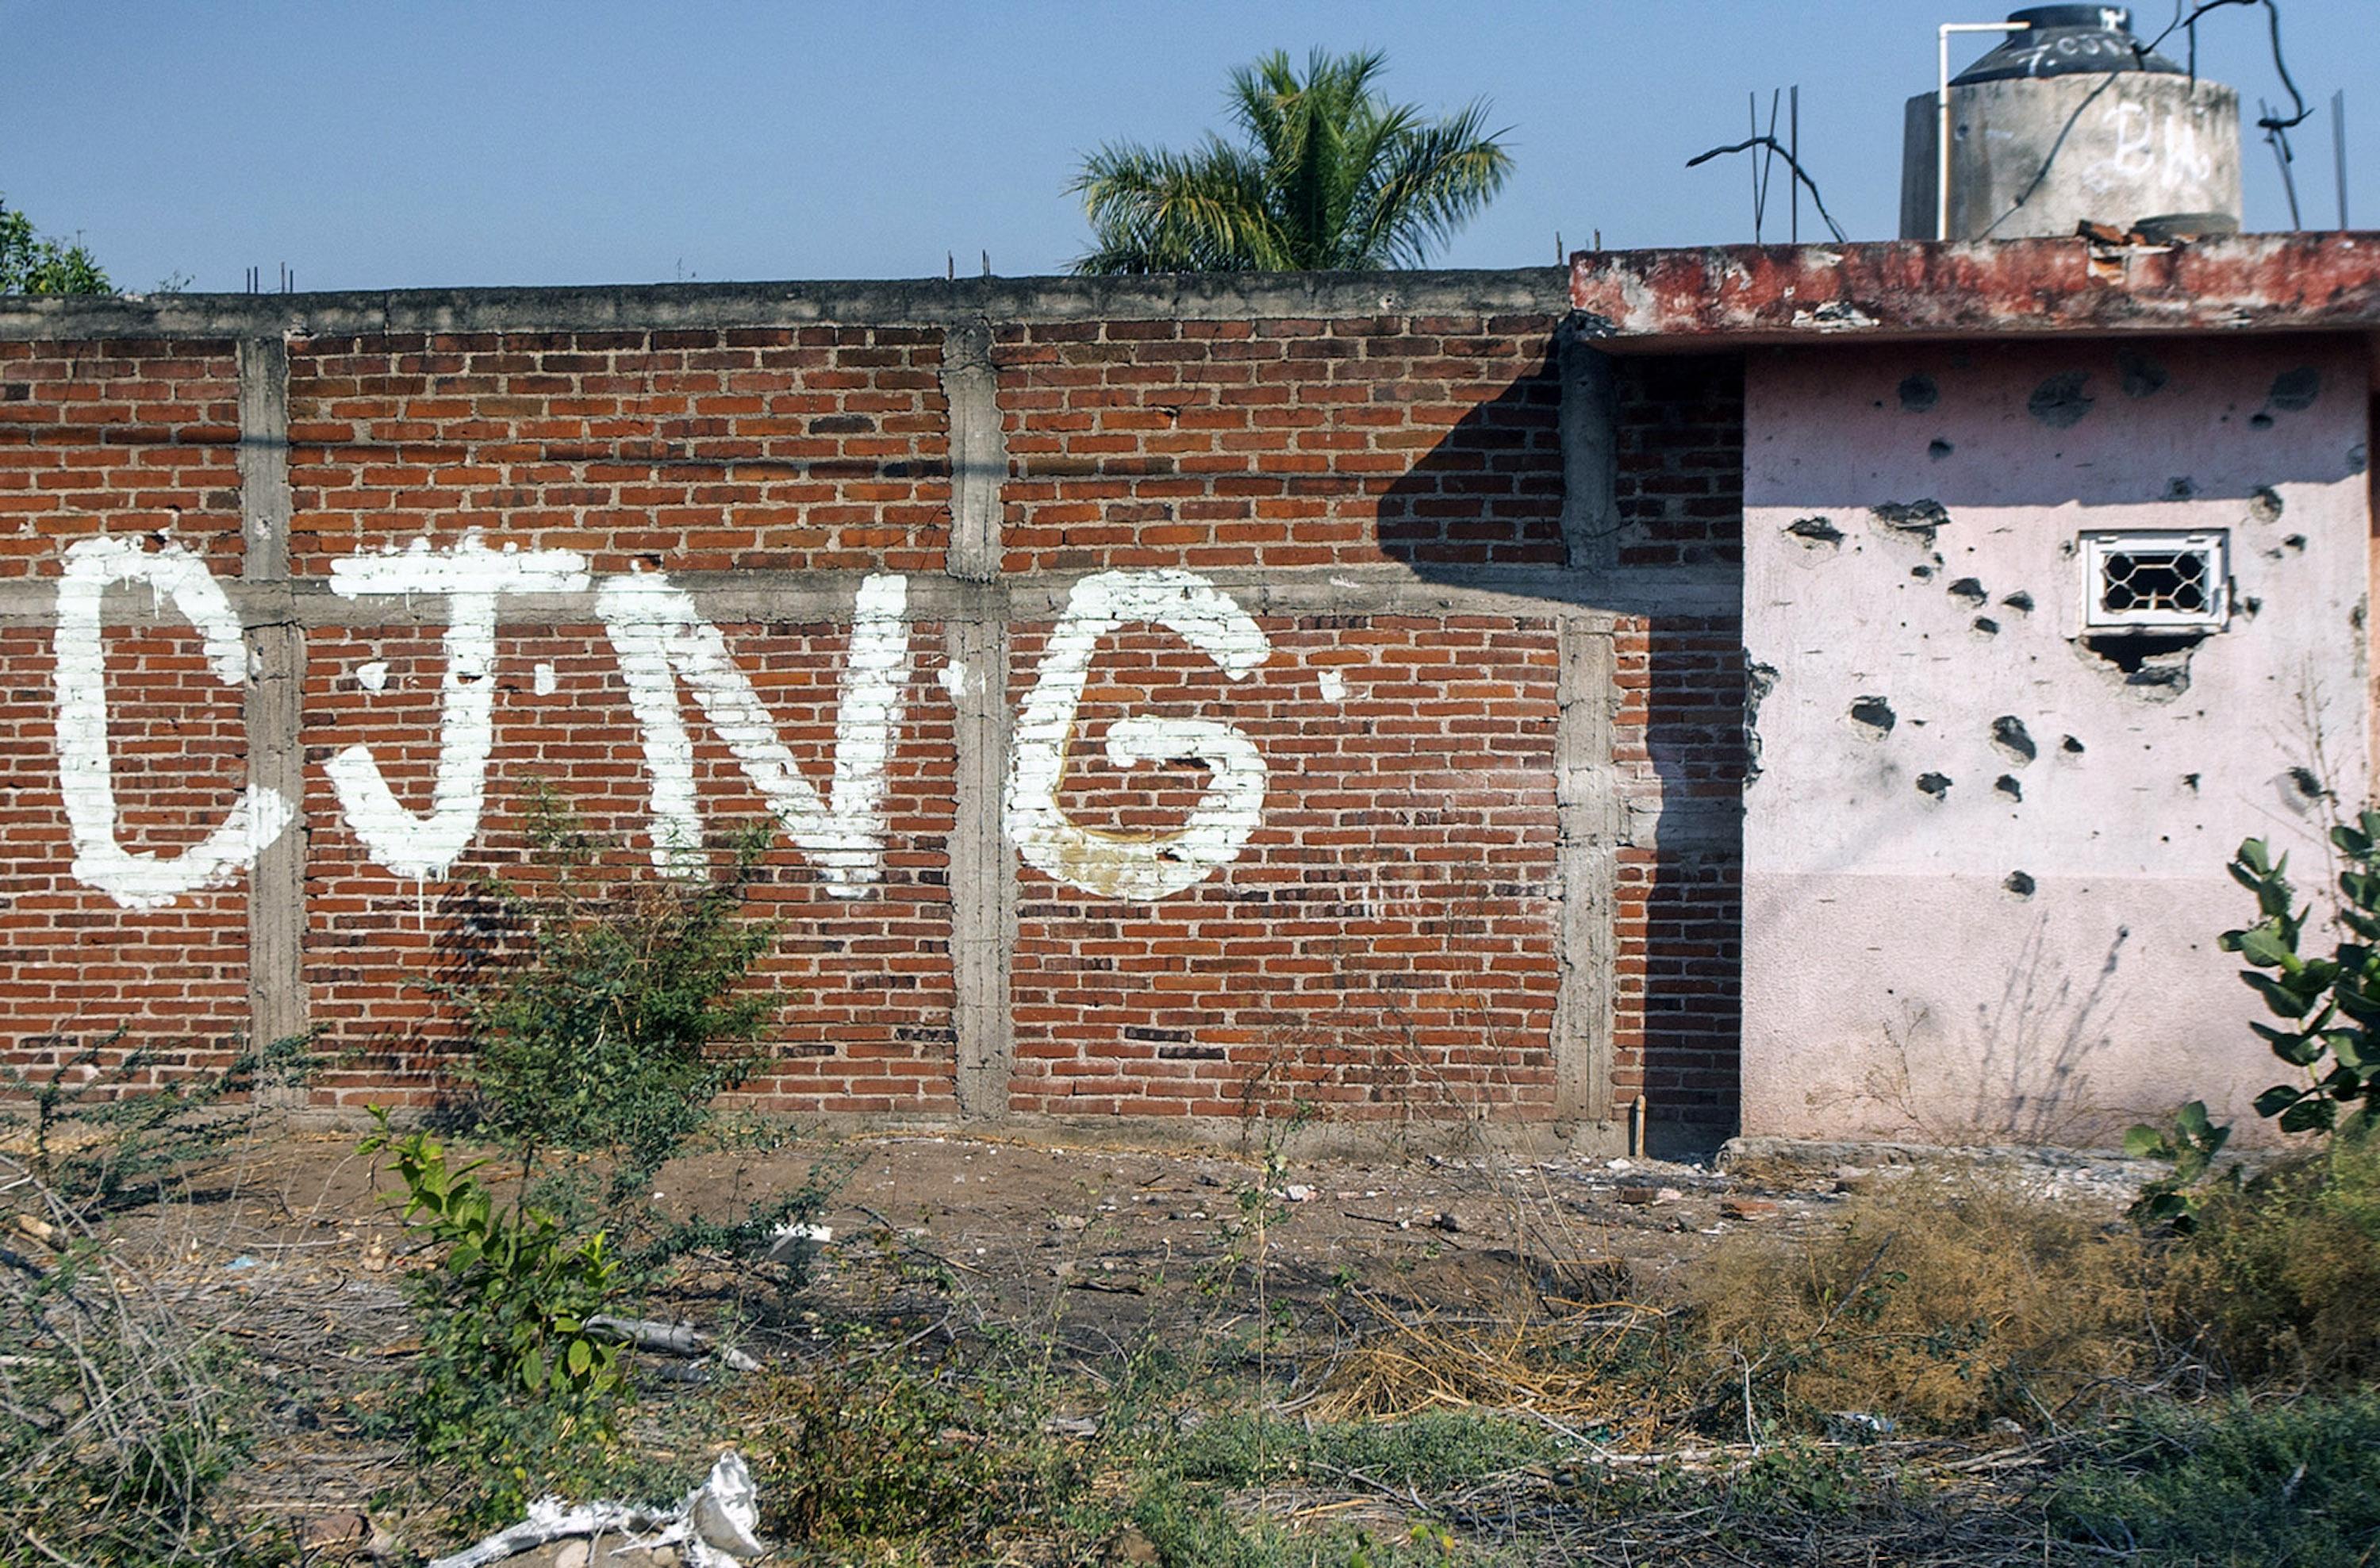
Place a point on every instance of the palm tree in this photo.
(1330, 176)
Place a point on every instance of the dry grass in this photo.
(2278, 1285)
(1567, 1367)
(1943, 1303)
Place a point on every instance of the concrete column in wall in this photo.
(1590, 444)
(983, 862)
(1587, 813)
(276, 651)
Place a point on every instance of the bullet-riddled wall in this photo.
(1985, 842)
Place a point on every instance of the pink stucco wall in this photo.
(2025, 946)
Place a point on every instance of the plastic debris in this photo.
(713, 1526)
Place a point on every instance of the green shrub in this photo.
(2279, 1277)
(597, 1024)
(2290, 1483)
(509, 1300)
(2327, 1004)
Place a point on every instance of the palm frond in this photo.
(1431, 180)
(1329, 175)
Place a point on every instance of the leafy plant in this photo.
(2329, 1005)
(513, 1290)
(608, 1018)
(2190, 1146)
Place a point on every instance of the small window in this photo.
(2157, 579)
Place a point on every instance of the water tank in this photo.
(2073, 117)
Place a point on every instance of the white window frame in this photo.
(2213, 543)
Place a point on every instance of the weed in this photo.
(2296, 1483)
(870, 1447)
(2278, 1280)
(121, 1418)
(1945, 1302)
(100, 1134)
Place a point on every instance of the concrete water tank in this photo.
(2070, 118)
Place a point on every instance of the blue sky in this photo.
(400, 145)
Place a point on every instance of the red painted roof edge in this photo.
(1735, 296)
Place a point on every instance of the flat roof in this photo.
(1734, 297)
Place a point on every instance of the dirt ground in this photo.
(1095, 1249)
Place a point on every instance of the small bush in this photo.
(874, 1448)
(609, 1019)
(2278, 1279)
(2293, 1483)
(1944, 1302)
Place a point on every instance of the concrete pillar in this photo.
(983, 862)
(276, 651)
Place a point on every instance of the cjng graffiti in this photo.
(662, 642)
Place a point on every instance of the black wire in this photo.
(2271, 124)
(1771, 143)
(2281, 65)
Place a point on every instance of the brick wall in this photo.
(1382, 939)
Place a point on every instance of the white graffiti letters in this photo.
(662, 641)
(85, 778)
(661, 638)
(471, 577)
(1137, 867)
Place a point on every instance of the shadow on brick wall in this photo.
(1489, 494)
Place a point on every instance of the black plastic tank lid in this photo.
(2067, 40)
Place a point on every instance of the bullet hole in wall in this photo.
(2020, 601)
(1938, 449)
(1918, 393)
(2295, 391)
(1814, 532)
(2181, 487)
(2189, 783)
(1921, 573)
(2139, 375)
(1986, 626)
(2006, 783)
(1874, 714)
(2010, 735)
(1934, 785)
(2265, 504)
(2071, 746)
(2019, 884)
(2259, 421)
(1918, 517)
(1759, 680)
(1969, 590)
(2059, 401)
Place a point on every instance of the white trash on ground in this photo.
(714, 1527)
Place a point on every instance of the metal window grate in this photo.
(2156, 579)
